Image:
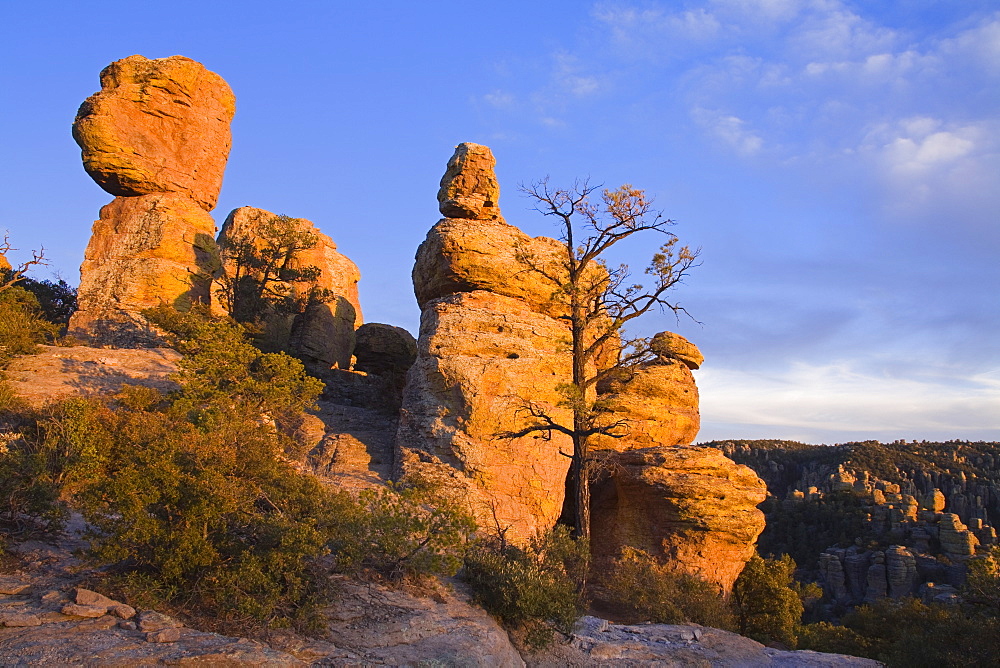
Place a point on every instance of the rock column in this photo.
(157, 137)
(488, 349)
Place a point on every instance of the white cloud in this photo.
(844, 401)
(499, 99)
(730, 130)
(980, 45)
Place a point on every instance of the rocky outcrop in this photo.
(491, 353)
(956, 539)
(320, 331)
(659, 402)
(487, 351)
(145, 251)
(481, 359)
(157, 126)
(690, 506)
(157, 136)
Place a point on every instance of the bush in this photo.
(908, 633)
(767, 608)
(405, 530)
(537, 587)
(643, 590)
(22, 326)
(191, 493)
(210, 514)
(31, 476)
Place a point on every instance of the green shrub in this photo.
(405, 530)
(911, 634)
(212, 514)
(31, 476)
(643, 590)
(191, 495)
(536, 587)
(22, 326)
(767, 608)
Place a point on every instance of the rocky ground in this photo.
(48, 617)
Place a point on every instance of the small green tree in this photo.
(261, 271)
(767, 607)
(192, 492)
(534, 587)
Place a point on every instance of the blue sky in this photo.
(837, 162)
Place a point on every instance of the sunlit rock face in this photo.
(691, 507)
(157, 126)
(144, 251)
(321, 334)
(157, 136)
(493, 344)
(486, 349)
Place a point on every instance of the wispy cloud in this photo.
(836, 399)
(730, 130)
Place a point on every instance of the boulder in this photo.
(670, 346)
(320, 332)
(462, 256)
(660, 404)
(469, 187)
(691, 506)
(384, 349)
(157, 126)
(473, 248)
(144, 251)
(483, 360)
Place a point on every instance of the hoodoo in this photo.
(157, 137)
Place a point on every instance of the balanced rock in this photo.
(690, 506)
(469, 187)
(473, 248)
(144, 251)
(321, 332)
(483, 360)
(157, 126)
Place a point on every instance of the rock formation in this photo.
(492, 347)
(157, 136)
(487, 347)
(659, 400)
(321, 333)
(157, 126)
(690, 506)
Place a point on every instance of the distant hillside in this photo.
(852, 503)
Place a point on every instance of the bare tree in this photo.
(597, 301)
(10, 275)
